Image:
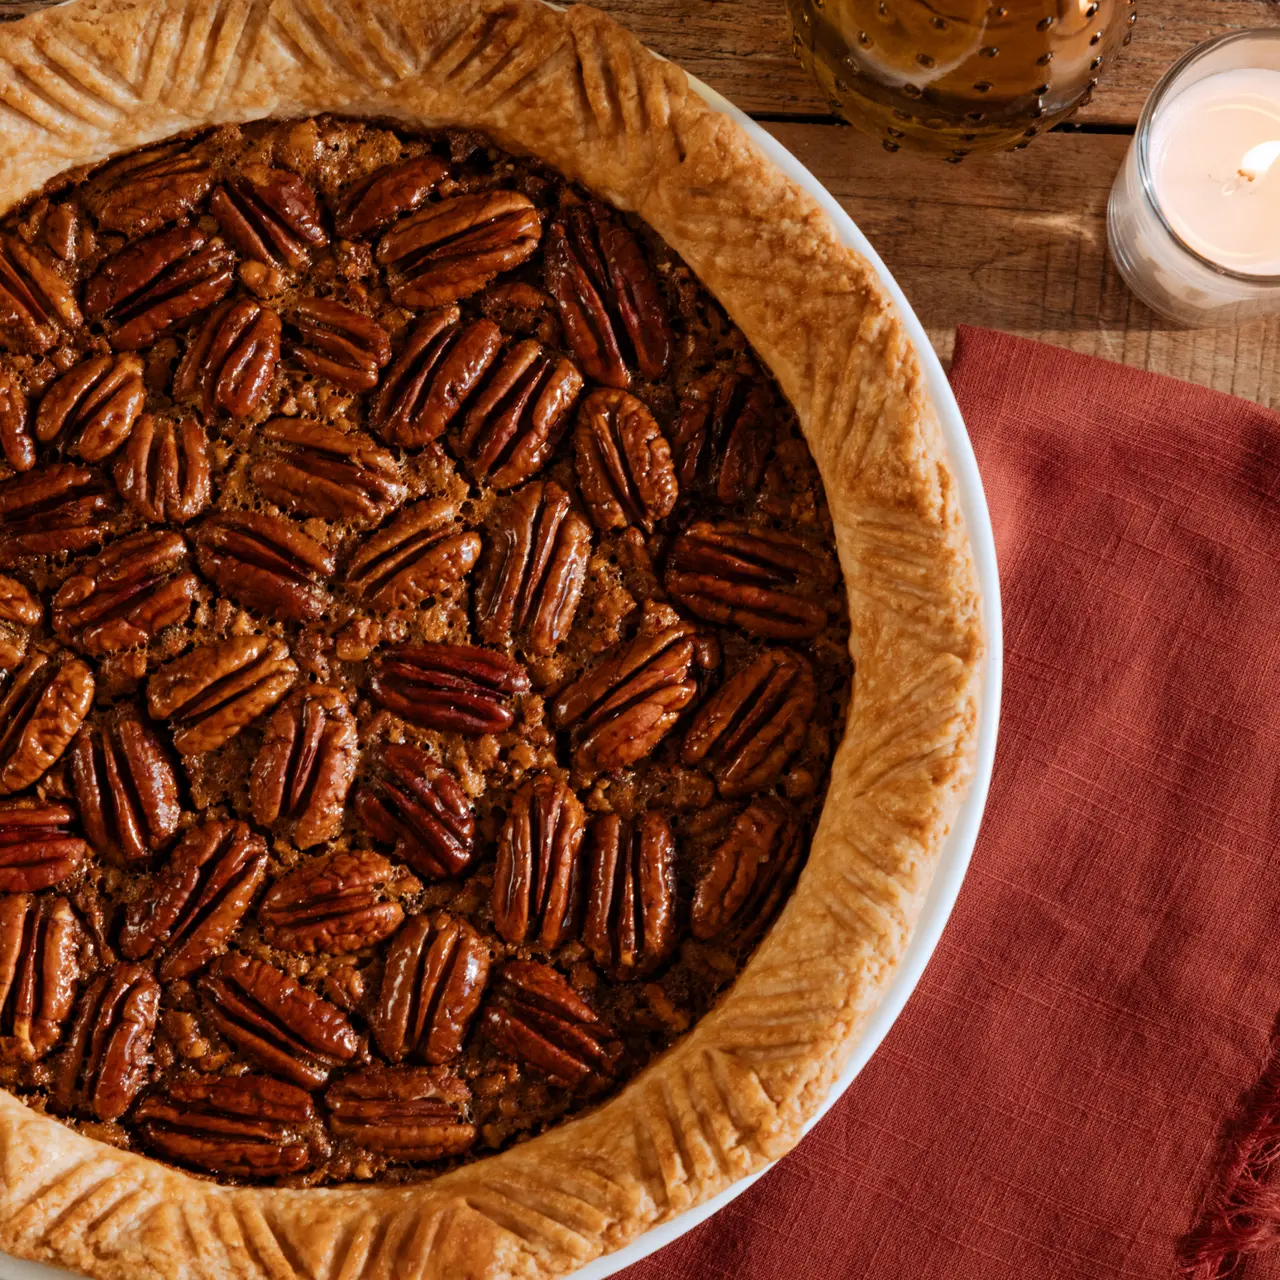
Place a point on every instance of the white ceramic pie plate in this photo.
(959, 846)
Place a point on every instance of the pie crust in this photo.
(571, 88)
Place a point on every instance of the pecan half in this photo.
(452, 249)
(15, 433)
(441, 365)
(333, 904)
(538, 877)
(155, 284)
(265, 564)
(749, 729)
(36, 303)
(39, 715)
(607, 295)
(419, 807)
(37, 848)
(621, 708)
(631, 899)
(537, 880)
(396, 189)
(761, 580)
(341, 344)
(538, 1018)
(623, 461)
(198, 899)
(275, 1020)
(517, 420)
(19, 610)
(724, 434)
(246, 1126)
(534, 569)
(305, 765)
(423, 550)
(57, 509)
(144, 191)
(270, 215)
(404, 1113)
(232, 360)
(62, 230)
(125, 595)
(211, 693)
(91, 409)
(163, 471)
(13, 645)
(750, 872)
(40, 945)
(108, 1051)
(432, 984)
(126, 787)
(457, 688)
(321, 471)
(18, 604)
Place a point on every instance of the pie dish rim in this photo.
(728, 1098)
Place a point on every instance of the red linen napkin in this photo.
(1083, 1075)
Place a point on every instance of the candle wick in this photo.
(1256, 162)
(1236, 182)
(1259, 159)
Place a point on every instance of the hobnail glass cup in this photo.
(958, 76)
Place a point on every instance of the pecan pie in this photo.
(433, 760)
(470, 722)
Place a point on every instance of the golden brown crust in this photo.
(80, 83)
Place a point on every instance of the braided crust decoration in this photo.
(571, 88)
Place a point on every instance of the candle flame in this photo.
(1257, 160)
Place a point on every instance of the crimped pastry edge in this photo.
(573, 89)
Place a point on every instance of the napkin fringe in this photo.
(1241, 1212)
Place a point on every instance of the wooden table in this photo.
(1015, 241)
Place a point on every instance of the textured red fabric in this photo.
(1052, 1101)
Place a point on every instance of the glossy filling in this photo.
(423, 650)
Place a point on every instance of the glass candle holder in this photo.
(957, 77)
(1193, 222)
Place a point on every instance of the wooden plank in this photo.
(1166, 30)
(1018, 242)
(743, 48)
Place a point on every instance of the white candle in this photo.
(1194, 217)
(1214, 150)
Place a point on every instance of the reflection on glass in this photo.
(957, 76)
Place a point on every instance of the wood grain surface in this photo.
(1016, 241)
(743, 48)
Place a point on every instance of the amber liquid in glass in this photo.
(958, 76)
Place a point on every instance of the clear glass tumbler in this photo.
(958, 76)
